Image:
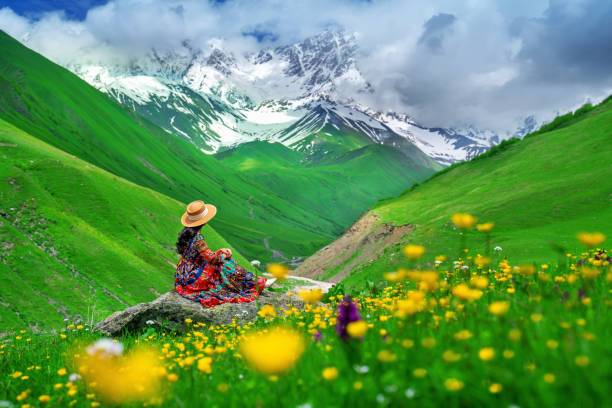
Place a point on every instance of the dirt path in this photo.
(293, 262)
(363, 242)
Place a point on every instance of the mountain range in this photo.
(275, 203)
(299, 95)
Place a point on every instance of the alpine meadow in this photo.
(318, 204)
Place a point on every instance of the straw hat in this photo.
(198, 213)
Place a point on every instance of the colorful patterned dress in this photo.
(207, 277)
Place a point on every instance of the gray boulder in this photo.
(171, 309)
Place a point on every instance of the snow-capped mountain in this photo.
(216, 99)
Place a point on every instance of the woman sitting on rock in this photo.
(208, 277)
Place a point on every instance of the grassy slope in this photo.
(54, 105)
(59, 211)
(339, 189)
(540, 192)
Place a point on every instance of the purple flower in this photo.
(318, 337)
(348, 312)
(581, 294)
(564, 297)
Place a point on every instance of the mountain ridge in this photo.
(53, 104)
(265, 96)
(539, 192)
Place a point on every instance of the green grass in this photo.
(76, 240)
(337, 189)
(54, 105)
(539, 192)
(546, 350)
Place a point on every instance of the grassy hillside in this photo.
(77, 240)
(338, 190)
(57, 107)
(539, 192)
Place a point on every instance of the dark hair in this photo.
(185, 237)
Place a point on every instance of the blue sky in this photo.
(74, 9)
(444, 62)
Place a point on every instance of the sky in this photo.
(444, 62)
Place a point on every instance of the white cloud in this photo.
(477, 66)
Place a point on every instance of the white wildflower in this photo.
(74, 377)
(410, 393)
(391, 388)
(497, 248)
(105, 348)
(361, 369)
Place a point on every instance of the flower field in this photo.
(466, 330)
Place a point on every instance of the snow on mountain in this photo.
(216, 99)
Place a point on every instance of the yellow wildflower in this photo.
(549, 378)
(274, 351)
(450, 356)
(453, 384)
(582, 361)
(499, 308)
(44, 398)
(204, 365)
(397, 276)
(385, 356)
(495, 388)
(330, 373)
(61, 371)
(414, 251)
(591, 239)
(279, 271)
(419, 372)
(485, 227)
(486, 354)
(428, 342)
(407, 343)
(463, 221)
(536, 317)
(462, 335)
(514, 335)
(311, 296)
(267, 311)
(552, 344)
(357, 329)
(479, 282)
(462, 291)
(588, 272)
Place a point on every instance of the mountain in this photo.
(261, 221)
(78, 241)
(215, 99)
(539, 191)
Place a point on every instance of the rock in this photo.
(171, 309)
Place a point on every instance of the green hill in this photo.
(539, 192)
(54, 105)
(78, 240)
(338, 190)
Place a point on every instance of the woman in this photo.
(208, 277)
